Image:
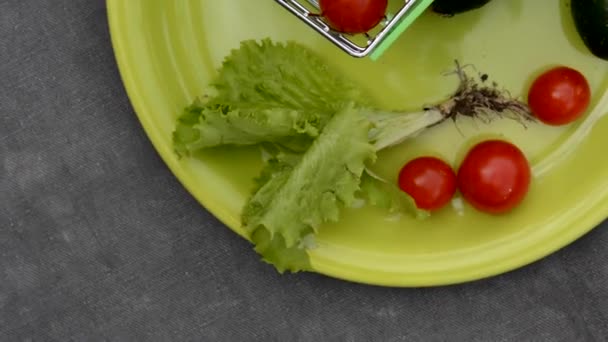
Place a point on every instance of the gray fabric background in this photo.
(98, 241)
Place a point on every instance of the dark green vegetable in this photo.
(451, 7)
(591, 21)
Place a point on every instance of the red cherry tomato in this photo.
(559, 96)
(430, 181)
(494, 176)
(353, 16)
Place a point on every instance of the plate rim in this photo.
(592, 217)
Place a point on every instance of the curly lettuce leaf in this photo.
(321, 130)
(208, 125)
(266, 92)
(300, 194)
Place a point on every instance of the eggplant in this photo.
(591, 21)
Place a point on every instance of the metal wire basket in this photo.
(371, 43)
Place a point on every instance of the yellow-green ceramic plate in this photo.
(167, 50)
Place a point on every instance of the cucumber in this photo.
(452, 7)
(591, 22)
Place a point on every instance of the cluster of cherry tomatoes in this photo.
(495, 175)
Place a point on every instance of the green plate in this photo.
(168, 50)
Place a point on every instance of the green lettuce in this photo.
(298, 198)
(321, 133)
